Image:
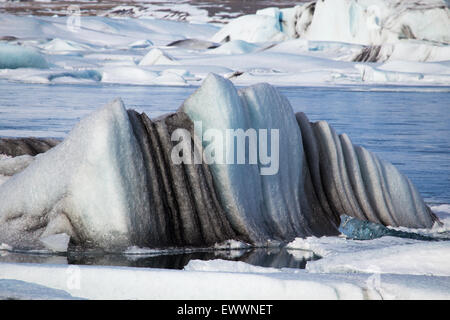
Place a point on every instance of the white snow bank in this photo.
(99, 282)
(383, 255)
(13, 57)
(157, 56)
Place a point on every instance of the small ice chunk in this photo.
(56, 242)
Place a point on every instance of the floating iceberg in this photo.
(113, 183)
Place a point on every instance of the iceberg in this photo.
(113, 182)
(14, 56)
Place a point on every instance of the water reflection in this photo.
(264, 257)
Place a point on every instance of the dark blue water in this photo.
(409, 127)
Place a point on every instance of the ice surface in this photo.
(90, 183)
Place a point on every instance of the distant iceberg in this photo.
(14, 56)
(382, 26)
(112, 182)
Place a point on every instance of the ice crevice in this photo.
(112, 183)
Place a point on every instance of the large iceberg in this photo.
(114, 183)
(13, 57)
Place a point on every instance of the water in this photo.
(407, 126)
